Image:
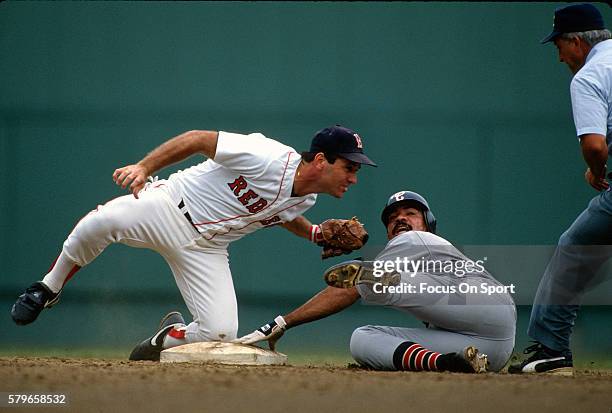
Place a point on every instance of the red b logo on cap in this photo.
(358, 140)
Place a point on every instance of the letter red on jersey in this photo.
(257, 206)
(238, 185)
(247, 196)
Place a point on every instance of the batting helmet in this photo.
(410, 199)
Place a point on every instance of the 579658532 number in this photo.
(8, 399)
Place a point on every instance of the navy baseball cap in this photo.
(575, 18)
(340, 141)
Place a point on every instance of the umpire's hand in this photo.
(597, 182)
(271, 331)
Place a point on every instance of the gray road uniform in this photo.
(448, 292)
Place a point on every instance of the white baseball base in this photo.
(222, 353)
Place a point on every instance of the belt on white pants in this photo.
(183, 209)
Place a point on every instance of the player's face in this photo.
(403, 219)
(571, 52)
(338, 176)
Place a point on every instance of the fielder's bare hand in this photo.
(271, 332)
(133, 175)
(597, 182)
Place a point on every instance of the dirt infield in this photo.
(94, 385)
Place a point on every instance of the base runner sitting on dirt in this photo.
(470, 317)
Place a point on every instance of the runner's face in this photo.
(404, 219)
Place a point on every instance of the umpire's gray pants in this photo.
(572, 271)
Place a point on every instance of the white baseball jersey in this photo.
(246, 187)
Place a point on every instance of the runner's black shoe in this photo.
(29, 304)
(470, 360)
(544, 360)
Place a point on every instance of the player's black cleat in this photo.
(470, 360)
(350, 273)
(151, 348)
(29, 304)
(544, 360)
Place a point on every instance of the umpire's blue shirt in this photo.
(591, 91)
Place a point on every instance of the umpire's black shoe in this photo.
(151, 348)
(544, 360)
(29, 304)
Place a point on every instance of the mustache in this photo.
(402, 224)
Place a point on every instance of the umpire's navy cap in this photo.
(575, 18)
(340, 141)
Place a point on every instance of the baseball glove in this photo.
(342, 236)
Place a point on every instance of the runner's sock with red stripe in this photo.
(414, 357)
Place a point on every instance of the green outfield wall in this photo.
(458, 101)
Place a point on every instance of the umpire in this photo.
(584, 45)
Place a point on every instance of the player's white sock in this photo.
(175, 337)
(60, 272)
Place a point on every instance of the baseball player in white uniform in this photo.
(470, 317)
(247, 183)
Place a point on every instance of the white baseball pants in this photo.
(154, 221)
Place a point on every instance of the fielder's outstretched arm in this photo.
(336, 236)
(300, 226)
(168, 153)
